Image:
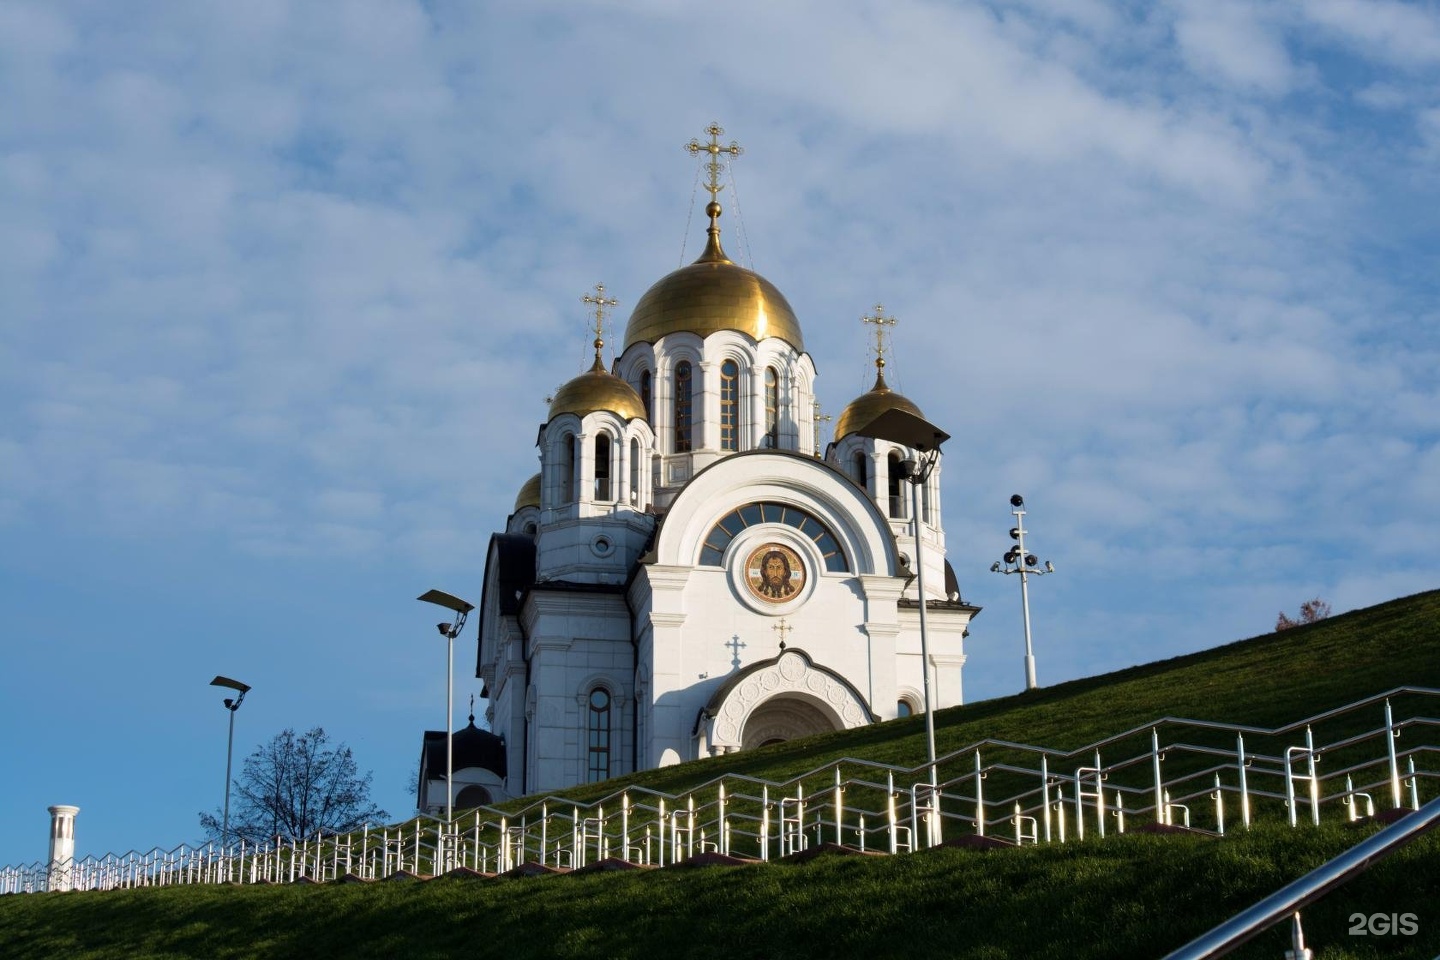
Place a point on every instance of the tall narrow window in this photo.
(602, 467)
(729, 405)
(772, 408)
(567, 468)
(925, 502)
(683, 407)
(859, 463)
(897, 491)
(634, 471)
(599, 735)
(645, 393)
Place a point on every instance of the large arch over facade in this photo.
(783, 477)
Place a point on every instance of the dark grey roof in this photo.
(473, 748)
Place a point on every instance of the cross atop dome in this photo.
(600, 302)
(882, 323)
(713, 165)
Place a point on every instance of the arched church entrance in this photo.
(781, 699)
(786, 718)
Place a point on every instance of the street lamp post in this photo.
(1016, 560)
(918, 473)
(232, 704)
(449, 631)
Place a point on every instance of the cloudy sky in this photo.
(283, 286)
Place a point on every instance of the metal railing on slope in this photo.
(1288, 901)
(1024, 794)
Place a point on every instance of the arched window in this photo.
(729, 405)
(683, 407)
(599, 735)
(903, 708)
(602, 467)
(896, 491)
(635, 471)
(859, 468)
(567, 468)
(645, 394)
(772, 408)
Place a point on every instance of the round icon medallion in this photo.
(775, 573)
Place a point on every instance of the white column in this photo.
(62, 845)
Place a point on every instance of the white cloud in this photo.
(1233, 43)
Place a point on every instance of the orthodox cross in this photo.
(782, 628)
(819, 418)
(600, 302)
(714, 149)
(881, 322)
(736, 645)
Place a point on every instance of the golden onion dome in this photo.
(529, 495)
(595, 390)
(710, 295)
(862, 411)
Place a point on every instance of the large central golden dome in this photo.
(710, 295)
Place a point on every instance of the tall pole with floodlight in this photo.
(1016, 560)
(449, 631)
(231, 704)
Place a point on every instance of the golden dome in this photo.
(529, 495)
(863, 410)
(710, 295)
(597, 390)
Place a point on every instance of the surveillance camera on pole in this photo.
(1018, 560)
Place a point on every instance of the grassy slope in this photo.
(1135, 895)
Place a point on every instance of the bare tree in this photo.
(1310, 612)
(293, 787)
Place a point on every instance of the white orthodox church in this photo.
(686, 576)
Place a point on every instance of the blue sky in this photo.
(283, 286)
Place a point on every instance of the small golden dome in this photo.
(863, 410)
(597, 390)
(529, 495)
(710, 295)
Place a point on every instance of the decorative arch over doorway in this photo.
(779, 699)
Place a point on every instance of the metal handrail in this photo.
(1291, 898)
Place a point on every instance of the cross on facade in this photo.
(819, 418)
(600, 302)
(881, 322)
(782, 628)
(714, 149)
(736, 645)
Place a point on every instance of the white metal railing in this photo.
(991, 788)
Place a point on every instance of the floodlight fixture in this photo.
(446, 600)
(1017, 501)
(231, 704)
(449, 631)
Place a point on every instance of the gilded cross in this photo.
(782, 628)
(714, 149)
(600, 302)
(819, 418)
(881, 322)
(736, 645)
